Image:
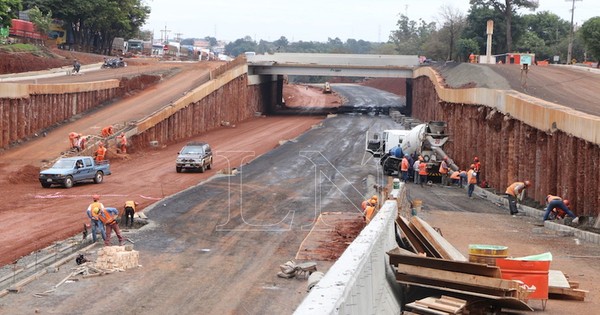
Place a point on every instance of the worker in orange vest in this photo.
(107, 131)
(422, 171)
(130, 211)
(92, 212)
(108, 216)
(122, 140)
(477, 168)
(471, 180)
(404, 166)
(73, 139)
(100, 153)
(515, 192)
(472, 58)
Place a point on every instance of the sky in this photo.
(313, 20)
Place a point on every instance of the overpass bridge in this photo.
(275, 68)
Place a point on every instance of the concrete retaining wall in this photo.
(361, 281)
(517, 137)
(26, 109)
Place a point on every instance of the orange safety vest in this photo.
(455, 175)
(369, 213)
(131, 204)
(123, 140)
(106, 218)
(107, 131)
(511, 190)
(422, 168)
(471, 179)
(443, 168)
(404, 165)
(477, 166)
(95, 206)
(100, 154)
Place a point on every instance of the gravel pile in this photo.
(460, 75)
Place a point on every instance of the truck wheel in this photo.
(68, 182)
(209, 166)
(99, 177)
(178, 169)
(46, 185)
(202, 168)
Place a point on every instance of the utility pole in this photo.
(570, 49)
(164, 35)
(178, 37)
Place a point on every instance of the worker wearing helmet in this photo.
(100, 152)
(404, 165)
(477, 168)
(93, 211)
(122, 142)
(515, 192)
(555, 203)
(107, 131)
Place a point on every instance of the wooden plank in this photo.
(411, 237)
(499, 301)
(458, 277)
(398, 257)
(422, 240)
(425, 309)
(438, 304)
(557, 279)
(444, 285)
(567, 294)
(442, 246)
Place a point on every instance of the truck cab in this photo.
(68, 171)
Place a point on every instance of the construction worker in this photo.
(122, 142)
(108, 217)
(107, 131)
(455, 177)
(100, 153)
(81, 140)
(416, 169)
(471, 180)
(477, 168)
(422, 171)
(515, 192)
(93, 211)
(404, 168)
(557, 202)
(73, 140)
(444, 169)
(129, 211)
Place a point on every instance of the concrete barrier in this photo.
(361, 281)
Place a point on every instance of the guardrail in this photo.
(361, 281)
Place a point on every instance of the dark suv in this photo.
(194, 155)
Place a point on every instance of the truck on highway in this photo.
(327, 88)
(425, 140)
(68, 171)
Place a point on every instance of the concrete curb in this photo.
(539, 215)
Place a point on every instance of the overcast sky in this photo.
(312, 20)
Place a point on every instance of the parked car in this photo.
(71, 170)
(194, 156)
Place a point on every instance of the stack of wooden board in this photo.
(437, 306)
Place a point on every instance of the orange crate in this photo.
(532, 273)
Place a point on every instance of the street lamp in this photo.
(570, 49)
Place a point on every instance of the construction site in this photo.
(275, 225)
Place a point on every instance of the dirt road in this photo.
(33, 217)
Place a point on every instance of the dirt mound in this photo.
(16, 62)
(466, 75)
(27, 174)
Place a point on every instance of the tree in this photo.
(453, 23)
(467, 46)
(410, 35)
(212, 41)
(42, 22)
(590, 33)
(281, 43)
(241, 45)
(508, 9)
(9, 9)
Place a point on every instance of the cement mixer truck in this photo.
(425, 140)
